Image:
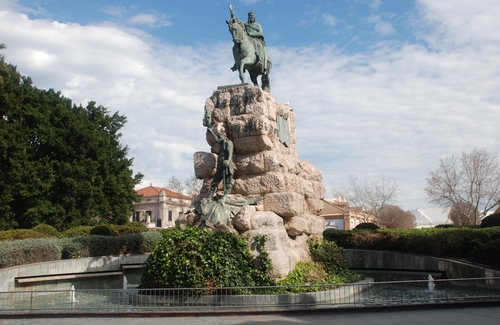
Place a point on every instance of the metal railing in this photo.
(363, 294)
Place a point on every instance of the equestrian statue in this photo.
(249, 49)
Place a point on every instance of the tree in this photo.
(392, 216)
(457, 219)
(372, 196)
(470, 183)
(60, 164)
(190, 187)
(175, 185)
(193, 186)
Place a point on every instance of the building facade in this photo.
(160, 207)
(339, 215)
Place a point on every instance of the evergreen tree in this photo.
(60, 164)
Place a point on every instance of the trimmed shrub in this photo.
(77, 232)
(46, 230)
(31, 250)
(445, 226)
(367, 225)
(91, 246)
(493, 220)
(131, 228)
(74, 248)
(341, 237)
(19, 234)
(149, 240)
(105, 230)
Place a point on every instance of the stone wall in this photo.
(401, 261)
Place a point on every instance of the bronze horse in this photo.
(246, 56)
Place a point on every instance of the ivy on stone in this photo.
(196, 258)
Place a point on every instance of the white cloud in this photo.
(394, 111)
(383, 28)
(150, 20)
(115, 11)
(329, 20)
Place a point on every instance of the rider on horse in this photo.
(254, 30)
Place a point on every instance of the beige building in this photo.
(160, 207)
(339, 215)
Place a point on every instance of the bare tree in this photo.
(175, 185)
(193, 186)
(392, 216)
(372, 196)
(473, 179)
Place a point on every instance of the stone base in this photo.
(266, 165)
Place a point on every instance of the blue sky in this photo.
(352, 25)
(379, 87)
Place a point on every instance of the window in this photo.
(136, 216)
(169, 215)
(158, 223)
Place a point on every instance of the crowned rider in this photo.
(254, 30)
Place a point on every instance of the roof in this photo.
(155, 191)
(431, 217)
(333, 208)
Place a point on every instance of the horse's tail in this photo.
(268, 66)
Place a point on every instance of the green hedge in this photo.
(31, 250)
(478, 245)
(47, 230)
(44, 231)
(116, 230)
(77, 232)
(18, 234)
(493, 220)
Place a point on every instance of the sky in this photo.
(379, 87)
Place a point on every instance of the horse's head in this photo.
(236, 29)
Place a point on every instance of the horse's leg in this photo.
(266, 83)
(236, 56)
(244, 62)
(253, 77)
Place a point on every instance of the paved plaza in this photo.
(398, 316)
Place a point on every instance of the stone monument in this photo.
(268, 190)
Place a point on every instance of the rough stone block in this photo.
(319, 190)
(249, 164)
(309, 171)
(316, 225)
(204, 164)
(247, 185)
(243, 220)
(252, 144)
(285, 204)
(266, 220)
(315, 206)
(306, 188)
(296, 226)
(250, 125)
(275, 182)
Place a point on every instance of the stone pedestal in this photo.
(286, 193)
